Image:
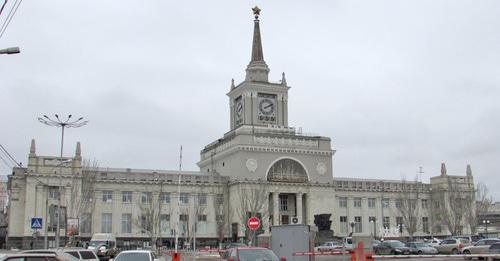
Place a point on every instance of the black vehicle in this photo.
(391, 247)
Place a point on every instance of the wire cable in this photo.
(1, 9)
(9, 18)
(9, 156)
(6, 162)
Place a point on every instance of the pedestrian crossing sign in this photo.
(36, 223)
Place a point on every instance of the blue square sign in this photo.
(36, 223)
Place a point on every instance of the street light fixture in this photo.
(67, 123)
(374, 224)
(352, 223)
(10, 50)
(486, 222)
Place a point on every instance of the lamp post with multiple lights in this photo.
(61, 123)
(486, 222)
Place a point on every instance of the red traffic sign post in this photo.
(253, 223)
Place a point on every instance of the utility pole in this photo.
(178, 202)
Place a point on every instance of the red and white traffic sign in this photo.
(253, 223)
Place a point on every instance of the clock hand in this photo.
(267, 106)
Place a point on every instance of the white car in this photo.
(136, 255)
(82, 254)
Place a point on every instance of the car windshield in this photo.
(133, 257)
(420, 244)
(396, 244)
(97, 243)
(257, 255)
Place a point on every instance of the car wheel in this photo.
(454, 251)
(467, 252)
(393, 252)
(376, 252)
(419, 252)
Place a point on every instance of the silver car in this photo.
(421, 248)
(480, 247)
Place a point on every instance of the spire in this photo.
(257, 52)
(78, 152)
(469, 170)
(32, 148)
(443, 169)
(257, 69)
(232, 84)
(283, 79)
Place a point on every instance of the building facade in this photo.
(261, 167)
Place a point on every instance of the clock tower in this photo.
(256, 101)
(260, 145)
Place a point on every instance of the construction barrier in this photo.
(435, 256)
(176, 256)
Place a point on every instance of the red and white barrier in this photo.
(321, 253)
(434, 256)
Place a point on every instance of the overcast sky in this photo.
(395, 84)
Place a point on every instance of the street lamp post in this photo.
(10, 50)
(374, 224)
(486, 223)
(67, 123)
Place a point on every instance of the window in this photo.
(399, 220)
(146, 197)
(425, 224)
(387, 222)
(165, 224)
(343, 202)
(357, 202)
(183, 224)
(165, 197)
(201, 225)
(343, 224)
(184, 198)
(86, 223)
(424, 204)
(358, 226)
(146, 224)
(219, 199)
(54, 192)
(126, 196)
(371, 203)
(106, 223)
(283, 202)
(385, 203)
(107, 196)
(397, 203)
(126, 223)
(287, 170)
(202, 199)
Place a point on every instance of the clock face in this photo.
(266, 106)
(239, 109)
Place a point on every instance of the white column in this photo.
(276, 204)
(298, 198)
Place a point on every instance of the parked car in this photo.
(31, 256)
(347, 243)
(480, 247)
(329, 246)
(57, 252)
(421, 248)
(494, 249)
(252, 253)
(136, 255)
(375, 242)
(472, 238)
(391, 247)
(104, 245)
(81, 254)
(434, 242)
(452, 246)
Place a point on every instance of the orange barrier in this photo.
(176, 256)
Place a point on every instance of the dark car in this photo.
(391, 247)
(252, 253)
(421, 248)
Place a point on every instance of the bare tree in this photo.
(254, 202)
(478, 204)
(148, 218)
(456, 202)
(409, 208)
(221, 210)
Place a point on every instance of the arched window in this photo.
(287, 170)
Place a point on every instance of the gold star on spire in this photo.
(256, 11)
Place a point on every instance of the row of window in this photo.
(357, 224)
(385, 203)
(164, 197)
(145, 222)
